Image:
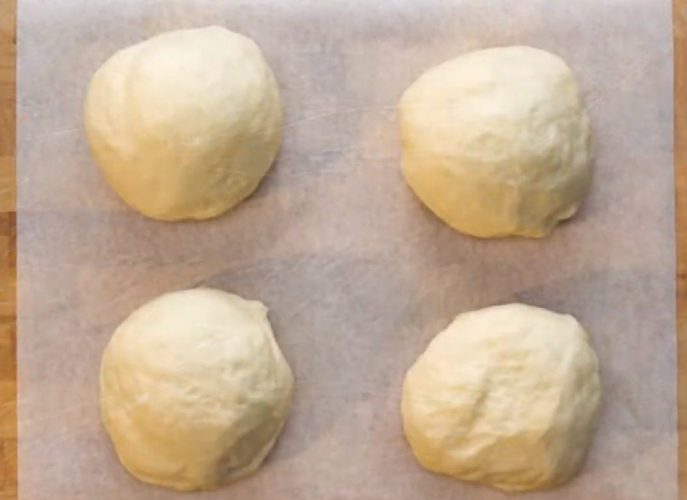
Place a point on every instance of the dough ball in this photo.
(194, 389)
(497, 142)
(185, 125)
(507, 396)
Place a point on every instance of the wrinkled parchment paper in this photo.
(358, 275)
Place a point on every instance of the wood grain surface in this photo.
(8, 420)
(8, 369)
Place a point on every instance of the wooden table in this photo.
(8, 418)
(8, 386)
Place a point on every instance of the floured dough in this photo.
(497, 142)
(185, 124)
(194, 389)
(506, 396)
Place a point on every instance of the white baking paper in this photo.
(358, 275)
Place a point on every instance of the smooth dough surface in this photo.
(194, 389)
(497, 142)
(185, 124)
(506, 396)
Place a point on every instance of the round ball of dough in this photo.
(497, 142)
(194, 389)
(185, 124)
(507, 396)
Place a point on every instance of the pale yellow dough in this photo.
(194, 389)
(507, 396)
(185, 124)
(497, 142)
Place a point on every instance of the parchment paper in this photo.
(358, 275)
